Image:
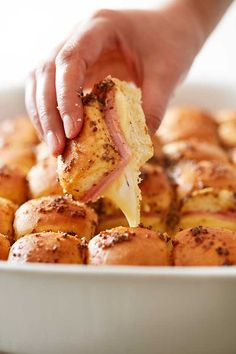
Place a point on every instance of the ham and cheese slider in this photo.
(129, 246)
(205, 246)
(13, 185)
(7, 213)
(55, 213)
(21, 158)
(49, 247)
(206, 192)
(157, 197)
(17, 132)
(187, 123)
(105, 159)
(43, 179)
(193, 150)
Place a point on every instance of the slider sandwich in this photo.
(104, 160)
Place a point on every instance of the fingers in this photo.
(46, 102)
(155, 95)
(72, 62)
(30, 103)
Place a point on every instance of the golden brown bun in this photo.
(227, 133)
(194, 150)
(55, 213)
(157, 192)
(225, 115)
(201, 246)
(186, 123)
(17, 132)
(190, 176)
(7, 212)
(209, 207)
(13, 185)
(157, 195)
(4, 247)
(128, 246)
(49, 247)
(43, 180)
(20, 158)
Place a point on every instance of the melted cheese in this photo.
(124, 191)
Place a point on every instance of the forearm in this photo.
(209, 12)
(201, 16)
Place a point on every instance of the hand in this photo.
(154, 49)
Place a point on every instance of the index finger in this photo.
(72, 62)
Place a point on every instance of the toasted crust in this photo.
(49, 247)
(190, 176)
(20, 158)
(13, 185)
(90, 157)
(18, 132)
(43, 180)
(128, 246)
(186, 123)
(4, 247)
(193, 150)
(200, 246)
(55, 213)
(7, 212)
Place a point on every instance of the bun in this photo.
(55, 213)
(17, 132)
(4, 247)
(187, 123)
(105, 159)
(199, 246)
(20, 158)
(48, 247)
(194, 151)
(13, 185)
(43, 180)
(128, 246)
(7, 212)
(192, 176)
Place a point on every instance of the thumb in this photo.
(155, 99)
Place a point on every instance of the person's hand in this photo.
(154, 49)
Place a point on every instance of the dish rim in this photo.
(119, 271)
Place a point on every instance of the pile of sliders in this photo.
(117, 196)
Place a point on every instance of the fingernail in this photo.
(52, 141)
(68, 126)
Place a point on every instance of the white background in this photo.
(30, 28)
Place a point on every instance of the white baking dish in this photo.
(59, 309)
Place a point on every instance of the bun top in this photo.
(191, 176)
(187, 123)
